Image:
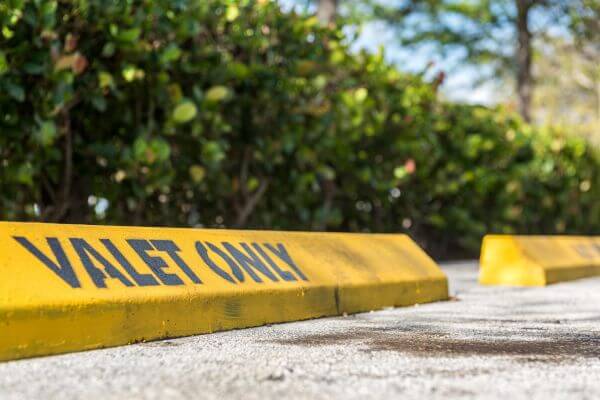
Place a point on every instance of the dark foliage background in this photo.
(235, 114)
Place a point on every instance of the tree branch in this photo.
(249, 206)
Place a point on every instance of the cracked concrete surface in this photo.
(486, 343)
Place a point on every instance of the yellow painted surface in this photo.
(538, 260)
(166, 288)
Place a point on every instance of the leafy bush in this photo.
(496, 174)
(233, 113)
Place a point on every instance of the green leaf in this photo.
(128, 35)
(217, 93)
(197, 173)
(361, 94)
(238, 70)
(184, 112)
(46, 133)
(3, 63)
(232, 13)
(212, 152)
(139, 149)
(108, 50)
(252, 184)
(7, 32)
(128, 73)
(131, 73)
(400, 172)
(105, 79)
(99, 102)
(327, 172)
(170, 54)
(160, 149)
(25, 174)
(15, 91)
(33, 69)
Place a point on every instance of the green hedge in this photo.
(233, 113)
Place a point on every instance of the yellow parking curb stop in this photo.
(75, 287)
(538, 260)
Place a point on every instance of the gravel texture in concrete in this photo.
(487, 342)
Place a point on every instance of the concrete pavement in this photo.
(486, 343)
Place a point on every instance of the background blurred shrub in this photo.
(233, 113)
